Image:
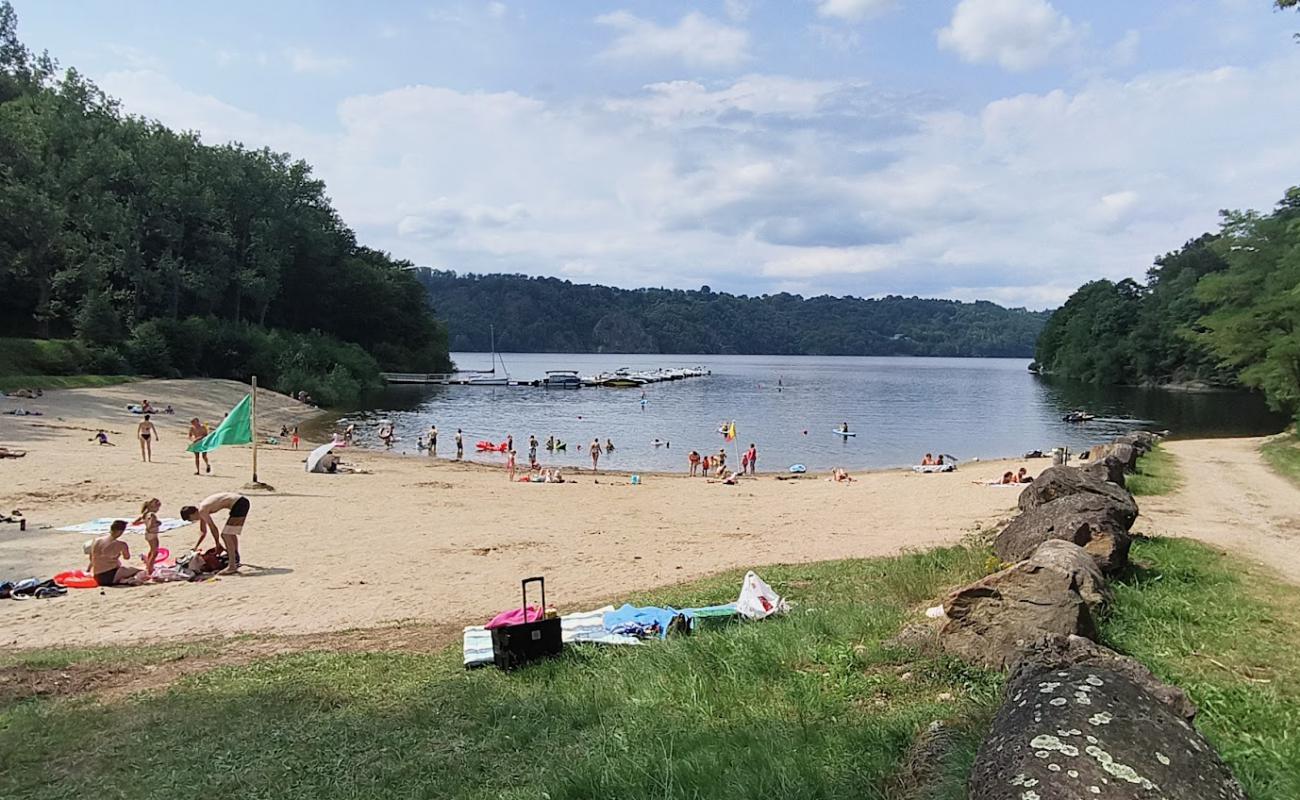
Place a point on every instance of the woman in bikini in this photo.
(149, 516)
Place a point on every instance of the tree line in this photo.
(549, 315)
(165, 256)
(1224, 310)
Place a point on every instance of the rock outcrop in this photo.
(1058, 652)
(1057, 590)
(1087, 730)
(1058, 482)
(1106, 468)
(1095, 522)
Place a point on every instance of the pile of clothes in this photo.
(31, 589)
(630, 625)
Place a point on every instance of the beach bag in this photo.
(519, 644)
(214, 561)
(758, 600)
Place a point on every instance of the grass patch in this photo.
(1229, 637)
(1157, 473)
(810, 705)
(9, 383)
(1283, 455)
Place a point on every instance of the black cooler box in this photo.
(516, 645)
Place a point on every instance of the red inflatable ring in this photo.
(76, 579)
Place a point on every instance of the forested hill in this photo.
(165, 256)
(1224, 310)
(538, 315)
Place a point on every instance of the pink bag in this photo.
(515, 616)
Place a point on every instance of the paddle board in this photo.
(844, 433)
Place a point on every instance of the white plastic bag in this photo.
(757, 600)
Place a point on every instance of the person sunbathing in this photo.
(1009, 477)
(1023, 476)
(928, 460)
(839, 475)
(106, 554)
(5, 452)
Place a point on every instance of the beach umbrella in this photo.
(315, 456)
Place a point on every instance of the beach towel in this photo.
(102, 525)
(935, 468)
(586, 627)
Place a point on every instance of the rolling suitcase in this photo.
(516, 645)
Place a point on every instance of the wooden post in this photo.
(254, 424)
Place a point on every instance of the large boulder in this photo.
(1126, 453)
(1057, 482)
(1141, 440)
(1092, 521)
(1058, 652)
(1089, 730)
(1057, 590)
(1106, 468)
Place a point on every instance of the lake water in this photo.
(901, 408)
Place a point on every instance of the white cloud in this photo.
(134, 57)
(771, 182)
(1015, 34)
(696, 40)
(307, 61)
(737, 10)
(497, 10)
(852, 10)
(1125, 51)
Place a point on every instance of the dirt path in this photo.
(1231, 499)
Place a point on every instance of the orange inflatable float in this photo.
(76, 579)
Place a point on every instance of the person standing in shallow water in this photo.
(752, 458)
(433, 440)
(460, 445)
(147, 434)
(595, 453)
(532, 451)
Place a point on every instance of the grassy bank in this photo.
(1157, 473)
(1283, 455)
(811, 705)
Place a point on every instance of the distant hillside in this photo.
(547, 315)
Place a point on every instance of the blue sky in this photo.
(998, 149)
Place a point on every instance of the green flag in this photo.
(236, 428)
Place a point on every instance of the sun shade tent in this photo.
(316, 461)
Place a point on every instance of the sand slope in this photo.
(417, 539)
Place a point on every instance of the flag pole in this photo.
(254, 429)
(256, 484)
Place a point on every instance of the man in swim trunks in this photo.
(106, 554)
(147, 434)
(433, 440)
(196, 432)
(237, 505)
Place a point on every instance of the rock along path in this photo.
(1230, 498)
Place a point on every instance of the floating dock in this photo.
(622, 378)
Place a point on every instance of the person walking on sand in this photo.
(460, 445)
(595, 453)
(196, 432)
(149, 516)
(106, 554)
(510, 466)
(147, 434)
(228, 540)
(752, 459)
(693, 458)
(294, 438)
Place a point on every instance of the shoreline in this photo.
(414, 540)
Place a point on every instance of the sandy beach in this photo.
(416, 539)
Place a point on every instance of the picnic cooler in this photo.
(516, 645)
